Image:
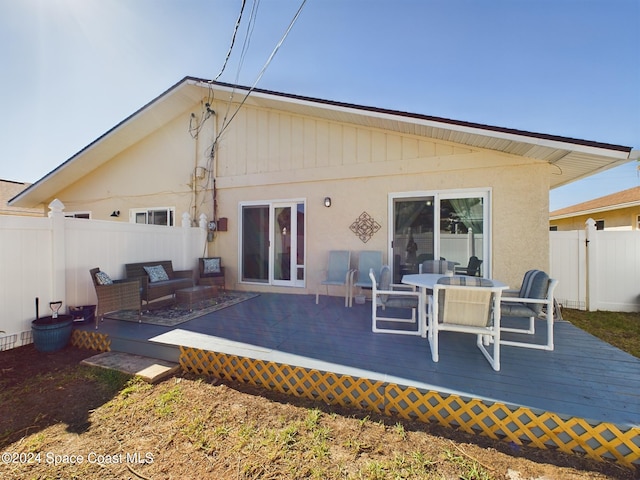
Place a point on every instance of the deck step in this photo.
(151, 370)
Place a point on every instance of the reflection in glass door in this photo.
(255, 243)
(413, 239)
(288, 251)
(451, 226)
(283, 241)
(462, 229)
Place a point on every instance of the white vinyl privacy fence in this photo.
(597, 269)
(50, 258)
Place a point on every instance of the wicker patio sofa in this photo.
(154, 288)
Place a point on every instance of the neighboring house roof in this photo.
(624, 199)
(574, 158)
(8, 190)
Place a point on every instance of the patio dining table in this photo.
(426, 281)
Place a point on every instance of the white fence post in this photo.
(58, 249)
(592, 265)
(187, 243)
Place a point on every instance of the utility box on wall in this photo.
(221, 225)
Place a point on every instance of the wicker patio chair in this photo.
(115, 296)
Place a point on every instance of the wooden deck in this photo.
(583, 377)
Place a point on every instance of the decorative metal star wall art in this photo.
(365, 226)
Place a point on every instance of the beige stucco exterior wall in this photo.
(626, 218)
(267, 155)
(286, 157)
(8, 190)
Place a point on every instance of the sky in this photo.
(70, 70)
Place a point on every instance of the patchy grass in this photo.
(81, 422)
(620, 329)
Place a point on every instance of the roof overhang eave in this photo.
(101, 150)
(591, 211)
(189, 90)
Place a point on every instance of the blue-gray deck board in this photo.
(582, 377)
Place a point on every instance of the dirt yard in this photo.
(63, 420)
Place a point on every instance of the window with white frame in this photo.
(153, 216)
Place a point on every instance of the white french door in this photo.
(288, 244)
(273, 243)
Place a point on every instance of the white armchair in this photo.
(387, 295)
(533, 300)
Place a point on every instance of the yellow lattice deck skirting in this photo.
(519, 425)
(91, 340)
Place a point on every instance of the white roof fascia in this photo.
(510, 136)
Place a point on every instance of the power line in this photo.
(247, 39)
(262, 71)
(233, 39)
(226, 122)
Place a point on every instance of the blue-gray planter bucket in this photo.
(51, 335)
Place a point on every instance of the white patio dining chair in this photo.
(471, 307)
(533, 301)
(367, 260)
(385, 294)
(337, 273)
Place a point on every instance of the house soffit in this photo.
(572, 159)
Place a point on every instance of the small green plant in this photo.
(135, 384)
(221, 431)
(398, 428)
(288, 437)
(363, 421)
(313, 418)
(356, 446)
(167, 401)
(375, 471)
(34, 443)
(420, 459)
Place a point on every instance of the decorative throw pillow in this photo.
(211, 265)
(103, 279)
(156, 273)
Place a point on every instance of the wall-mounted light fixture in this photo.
(327, 202)
(116, 213)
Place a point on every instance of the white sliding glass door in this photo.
(451, 225)
(273, 243)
